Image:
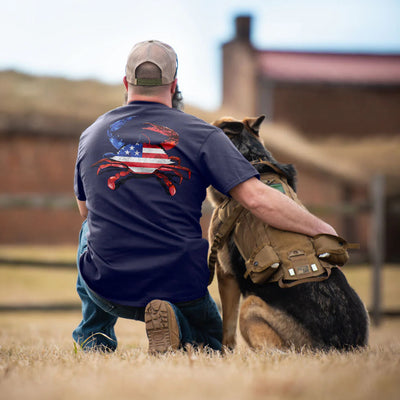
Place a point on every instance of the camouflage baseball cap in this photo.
(156, 52)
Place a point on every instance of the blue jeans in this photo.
(199, 320)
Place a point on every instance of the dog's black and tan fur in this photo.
(318, 315)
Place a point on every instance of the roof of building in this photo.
(284, 141)
(54, 106)
(380, 69)
(351, 160)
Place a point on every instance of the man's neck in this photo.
(166, 100)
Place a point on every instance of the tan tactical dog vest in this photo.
(272, 255)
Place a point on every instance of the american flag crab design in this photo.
(142, 158)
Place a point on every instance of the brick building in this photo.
(319, 94)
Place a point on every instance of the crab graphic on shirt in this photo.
(143, 157)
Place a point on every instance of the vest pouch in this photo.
(301, 267)
(332, 249)
(262, 264)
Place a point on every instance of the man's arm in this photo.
(278, 210)
(82, 208)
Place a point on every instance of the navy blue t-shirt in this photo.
(143, 170)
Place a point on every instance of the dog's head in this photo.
(245, 135)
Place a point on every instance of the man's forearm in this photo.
(82, 208)
(278, 210)
(283, 213)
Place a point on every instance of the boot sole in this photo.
(161, 327)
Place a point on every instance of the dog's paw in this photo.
(229, 343)
(227, 350)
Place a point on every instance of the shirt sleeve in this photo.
(78, 184)
(223, 165)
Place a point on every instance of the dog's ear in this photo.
(253, 124)
(234, 127)
(229, 125)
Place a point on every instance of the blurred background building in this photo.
(334, 115)
(320, 94)
(345, 107)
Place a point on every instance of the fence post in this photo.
(377, 244)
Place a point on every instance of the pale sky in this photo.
(81, 39)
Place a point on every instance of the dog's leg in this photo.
(230, 297)
(254, 327)
(263, 326)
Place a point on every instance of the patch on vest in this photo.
(278, 186)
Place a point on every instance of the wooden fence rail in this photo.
(45, 307)
(39, 200)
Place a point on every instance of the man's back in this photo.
(143, 170)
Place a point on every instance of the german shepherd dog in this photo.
(315, 315)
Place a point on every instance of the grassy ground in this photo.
(38, 361)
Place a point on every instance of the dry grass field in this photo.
(38, 360)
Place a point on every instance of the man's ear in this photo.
(173, 86)
(125, 82)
